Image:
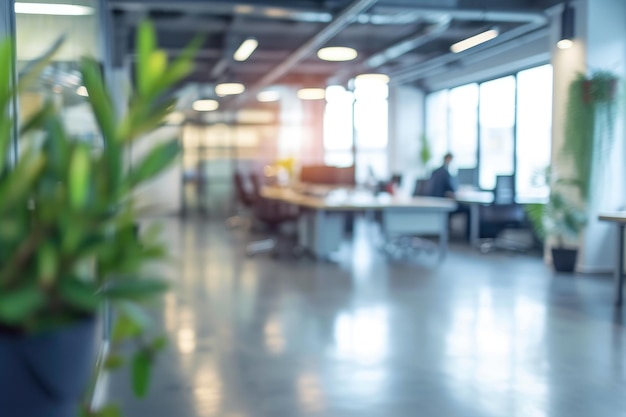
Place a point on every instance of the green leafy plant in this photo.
(67, 218)
(589, 123)
(425, 151)
(559, 217)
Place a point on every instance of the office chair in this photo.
(503, 214)
(272, 214)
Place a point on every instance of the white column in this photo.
(7, 30)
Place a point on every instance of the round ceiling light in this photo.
(337, 53)
(268, 96)
(565, 44)
(205, 105)
(229, 89)
(311, 94)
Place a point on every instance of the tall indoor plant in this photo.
(68, 238)
(589, 132)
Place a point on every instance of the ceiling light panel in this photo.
(246, 49)
(229, 89)
(474, 41)
(205, 105)
(53, 9)
(337, 53)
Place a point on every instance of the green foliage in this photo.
(560, 216)
(589, 123)
(425, 151)
(67, 215)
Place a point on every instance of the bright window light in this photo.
(337, 53)
(229, 89)
(53, 9)
(245, 49)
(474, 41)
(205, 105)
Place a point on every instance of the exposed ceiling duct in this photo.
(419, 71)
(343, 19)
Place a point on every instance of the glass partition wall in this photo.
(37, 28)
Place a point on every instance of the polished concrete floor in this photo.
(479, 335)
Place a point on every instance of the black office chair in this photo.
(503, 214)
(272, 215)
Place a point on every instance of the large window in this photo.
(370, 125)
(534, 126)
(437, 124)
(463, 133)
(497, 119)
(338, 137)
(501, 127)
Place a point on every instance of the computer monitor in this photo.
(467, 177)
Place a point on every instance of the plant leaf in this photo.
(16, 306)
(159, 158)
(135, 289)
(141, 369)
(81, 295)
(79, 174)
(99, 99)
(114, 362)
(146, 44)
(109, 410)
(125, 328)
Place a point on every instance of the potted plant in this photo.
(68, 240)
(563, 220)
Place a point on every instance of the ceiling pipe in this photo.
(342, 20)
(384, 15)
(407, 45)
(419, 71)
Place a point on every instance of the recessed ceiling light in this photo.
(337, 53)
(474, 41)
(53, 9)
(276, 12)
(245, 49)
(564, 44)
(243, 9)
(229, 89)
(205, 105)
(378, 78)
(311, 94)
(268, 96)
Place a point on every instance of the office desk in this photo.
(474, 199)
(619, 218)
(322, 219)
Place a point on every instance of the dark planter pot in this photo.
(564, 260)
(46, 374)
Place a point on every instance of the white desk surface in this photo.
(613, 216)
(474, 196)
(354, 201)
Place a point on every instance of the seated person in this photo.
(441, 183)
